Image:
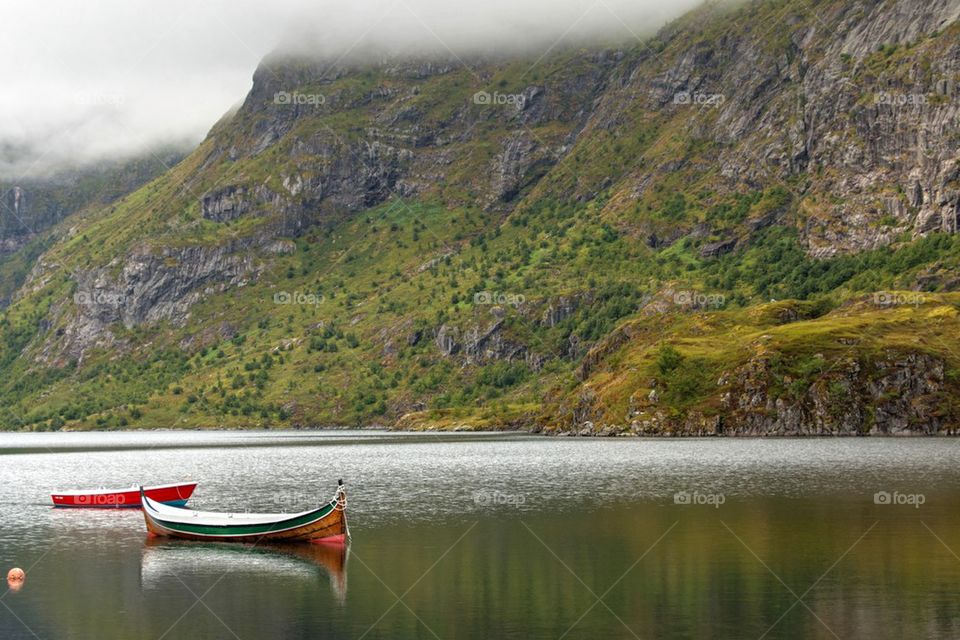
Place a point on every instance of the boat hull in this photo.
(326, 525)
(174, 495)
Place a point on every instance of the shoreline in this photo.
(534, 431)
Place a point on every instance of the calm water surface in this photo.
(492, 536)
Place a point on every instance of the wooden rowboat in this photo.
(172, 494)
(326, 524)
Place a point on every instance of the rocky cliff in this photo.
(30, 205)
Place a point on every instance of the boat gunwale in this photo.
(309, 516)
(132, 489)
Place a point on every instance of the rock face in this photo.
(895, 395)
(31, 205)
(21, 218)
(225, 204)
(558, 311)
(401, 148)
(150, 287)
(858, 96)
(899, 394)
(446, 340)
(716, 249)
(487, 337)
(479, 344)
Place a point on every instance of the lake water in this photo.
(494, 536)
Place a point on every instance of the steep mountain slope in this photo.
(584, 242)
(31, 206)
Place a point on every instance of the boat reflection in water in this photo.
(166, 559)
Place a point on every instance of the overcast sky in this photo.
(86, 80)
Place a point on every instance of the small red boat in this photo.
(171, 494)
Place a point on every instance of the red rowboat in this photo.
(172, 494)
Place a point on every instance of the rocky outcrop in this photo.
(24, 213)
(896, 394)
(148, 287)
(488, 339)
(399, 147)
(514, 165)
(860, 98)
(717, 249)
(447, 340)
(225, 204)
(31, 205)
(558, 310)
(479, 344)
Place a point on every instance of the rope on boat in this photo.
(341, 500)
(341, 505)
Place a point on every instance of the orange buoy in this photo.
(15, 578)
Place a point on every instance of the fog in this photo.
(87, 81)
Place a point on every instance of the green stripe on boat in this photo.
(233, 529)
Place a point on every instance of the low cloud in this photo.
(113, 78)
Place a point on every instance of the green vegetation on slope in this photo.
(375, 281)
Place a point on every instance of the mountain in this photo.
(32, 205)
(743, 225)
